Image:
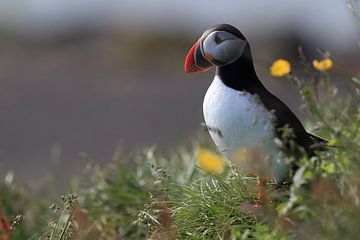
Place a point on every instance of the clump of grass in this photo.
(211, 207)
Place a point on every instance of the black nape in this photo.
(240, 75)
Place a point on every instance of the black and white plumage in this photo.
(244, 113)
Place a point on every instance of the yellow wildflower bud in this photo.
(209, 161)
(323, 65)
(280, 68)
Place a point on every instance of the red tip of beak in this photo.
(190, 64)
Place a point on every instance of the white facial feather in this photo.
(228, 50)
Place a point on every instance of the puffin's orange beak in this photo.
(195, 61)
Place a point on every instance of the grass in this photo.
(209, 208)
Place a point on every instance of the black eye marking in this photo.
(218, 39)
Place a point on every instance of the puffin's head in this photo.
(219, 45)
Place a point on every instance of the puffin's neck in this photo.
(240, 75)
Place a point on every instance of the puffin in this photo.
(245, 120)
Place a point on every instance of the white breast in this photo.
(239, 122)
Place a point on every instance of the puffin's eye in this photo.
(218, 39)
(222, 36)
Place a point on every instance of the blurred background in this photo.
(87, 75)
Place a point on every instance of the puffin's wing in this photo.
(284, 116)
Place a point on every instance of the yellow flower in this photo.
(280, 68)
(323, 65)
(209, 161)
